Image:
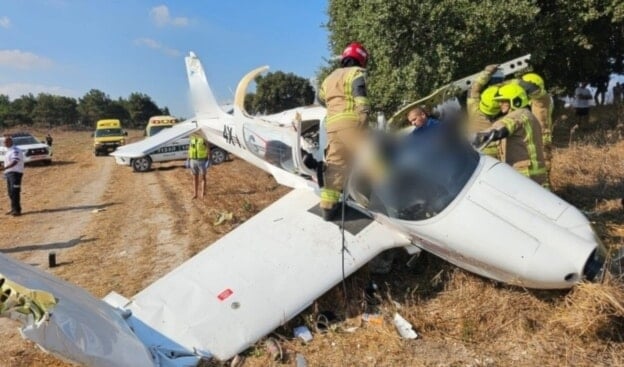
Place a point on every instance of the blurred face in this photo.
(417, 118)
(8, 142)
(505, 106)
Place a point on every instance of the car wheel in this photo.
(142, 164)
(47, 162)
(217, 155)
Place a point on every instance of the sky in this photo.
(68, 47)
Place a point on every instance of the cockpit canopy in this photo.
(425, 171)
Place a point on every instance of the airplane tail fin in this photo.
(203, 100)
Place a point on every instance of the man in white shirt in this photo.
(582, 96)
(13, 172)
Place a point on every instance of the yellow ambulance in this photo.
(108, 136)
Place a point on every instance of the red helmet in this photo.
(356, 51)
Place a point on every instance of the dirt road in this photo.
(113, 229)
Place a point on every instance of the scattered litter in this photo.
(303, 333)
(351, 329)
(300, 360)
(223, 217)
(274, 349)
(98, 210)
(325, 320)
(373, 318)
(404, 327)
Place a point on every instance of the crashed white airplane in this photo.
(444, 198)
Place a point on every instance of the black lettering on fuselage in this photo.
(229, 136)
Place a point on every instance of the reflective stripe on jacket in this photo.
(524, 144)
(198, 148)
(542, 108)
(344, 94)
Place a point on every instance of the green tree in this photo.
(117, 110)
(418, 45)
(22, 109)
(93, 106)
(249, 102)
(280, 91)
(52, 110)
(140, 108)
(5, 110)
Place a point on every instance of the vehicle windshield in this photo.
(156, 129)
(25, 140)
(425, 172)
(107, 132)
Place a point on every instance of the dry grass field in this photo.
(113, 229)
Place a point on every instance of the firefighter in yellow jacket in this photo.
(542, 109)
(522, 148)
(343, 92)
(481, 107)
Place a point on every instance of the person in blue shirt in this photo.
(421, 119)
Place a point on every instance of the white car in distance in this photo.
(34, 150)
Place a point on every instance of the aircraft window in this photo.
(107, 132)
(156, 129)
(270, 145)
(310, 133)
(426, 171)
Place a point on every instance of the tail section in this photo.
(203, 100)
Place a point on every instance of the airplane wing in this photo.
(254, 279)
(150, 144)
(79, 327)
(457, 87)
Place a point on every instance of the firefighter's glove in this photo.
(491, 69)
(309, 161)
(484, 137)
(481, 138)
(499, 134)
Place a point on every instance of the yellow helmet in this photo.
(513, 93)
(487, 104)
(535, 79)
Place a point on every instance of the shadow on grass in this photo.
(72, 208)
(48, 246)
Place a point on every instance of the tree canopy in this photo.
(51, 110)
(277, 92)
(418, 45)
